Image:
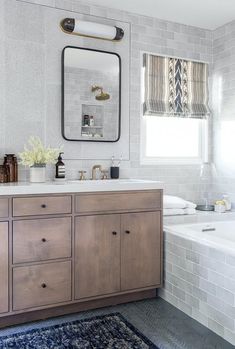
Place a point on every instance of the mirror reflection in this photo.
(90, 95)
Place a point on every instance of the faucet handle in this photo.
(104, 174)
(82, 175)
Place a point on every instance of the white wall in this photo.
(30, 49)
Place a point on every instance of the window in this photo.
(174, 126)
(173, 140)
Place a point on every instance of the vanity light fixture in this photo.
(91, 29)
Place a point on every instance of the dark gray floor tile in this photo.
(163, 324)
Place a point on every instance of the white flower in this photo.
(38, 154)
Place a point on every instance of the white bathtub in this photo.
(219, 235)
(199, 273)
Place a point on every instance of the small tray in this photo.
(205, 207)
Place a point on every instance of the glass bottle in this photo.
(9, 162)
(3, 174)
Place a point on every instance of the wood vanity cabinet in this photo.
(3, 267)
(64, 253)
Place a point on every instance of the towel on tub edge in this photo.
(178, 211)
(174, 202)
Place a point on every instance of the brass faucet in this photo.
(94, 168)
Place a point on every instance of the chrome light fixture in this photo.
(91, 29)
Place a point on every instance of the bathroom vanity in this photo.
(79, 245)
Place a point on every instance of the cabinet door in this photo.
(3, 267)
(97, 255)
(140, 250)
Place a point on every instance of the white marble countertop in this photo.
(76, 186)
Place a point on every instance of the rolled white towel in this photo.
(173, 211)
(190, 204)
(173, 202)
(189, 210)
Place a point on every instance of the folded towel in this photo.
(189, 210)
(173, 202)
(190, 204)
(170, 201)
(178, 211)
(173, 211)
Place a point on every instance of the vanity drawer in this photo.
(130, 201)
(41, 239)
(39, 285)
(4, 208)
(42, 205)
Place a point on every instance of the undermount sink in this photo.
(105, 181)
(113, 184)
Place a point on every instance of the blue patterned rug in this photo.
(111, 331)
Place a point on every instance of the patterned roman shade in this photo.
(175, 87)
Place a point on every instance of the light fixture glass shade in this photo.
(95, 30)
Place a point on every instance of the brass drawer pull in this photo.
(43, 285)
(43, 206)
(44, 240)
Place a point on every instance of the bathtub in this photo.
(199, 273)
(220, 235)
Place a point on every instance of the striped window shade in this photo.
(175, 87)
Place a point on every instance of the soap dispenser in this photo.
(60, 168)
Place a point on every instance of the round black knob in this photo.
(44, 240)
(43, 285)
(127, 231)
(43, 206)
(114, 233)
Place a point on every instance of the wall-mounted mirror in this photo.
(91, 95)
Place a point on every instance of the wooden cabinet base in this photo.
(74, 308)
(67, 253)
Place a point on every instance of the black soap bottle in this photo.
(60, 168)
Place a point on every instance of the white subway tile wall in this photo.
(224, 109)
(32, 97)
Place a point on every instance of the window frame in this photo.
(203, 142)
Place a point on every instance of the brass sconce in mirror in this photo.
(101, 96)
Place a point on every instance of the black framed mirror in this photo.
(91, 95)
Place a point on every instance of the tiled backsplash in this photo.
(31, 103)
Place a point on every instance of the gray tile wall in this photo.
(200, 281)
(224, 109)
(32, 91)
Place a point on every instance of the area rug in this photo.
(111, 331)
